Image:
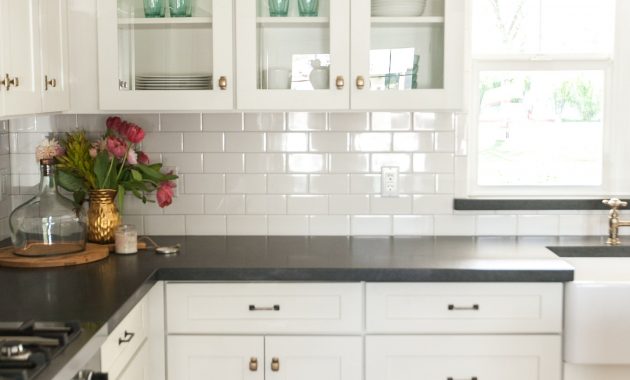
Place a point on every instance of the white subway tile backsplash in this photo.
(432, 204)
(349, 162)
(583, 225)
(245, 142)
(204, 183)
(444, 183)
(371, 142)
(180, 122)
(222, 122)
(307, 163)
(160, 142)
(224, 162)
(224, 204)
(134, 206)
(389, 121)
(329, 183)
(433, 162)
(416, 183)
(287, 224)
(413, 142)
(68, 123)
(400, 160)
(307, 121)
(445, 142)
(371, 225)
(184, 162)
(287, 142)
(454, 225)
(329, 142)
(24, 124)
(264, 122)
(23, 142)
(246, 183)
(89, 123)
(287, 183)
(413, 225)
(351, 121)
(203, 142)
(307, 204)
(265, 163)
(390, 205)
(542, 225)
(349, 204)
(329, 225)
(24, 164)
(428, 121)
(165, 225)
(186, 204)
(365, 183)
(247, 225)
(266, 204)
(206, 225)
(496, 225)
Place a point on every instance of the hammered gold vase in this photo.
(103, 216)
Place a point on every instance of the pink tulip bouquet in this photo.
(112, 162)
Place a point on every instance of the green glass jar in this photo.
(180, 8)
(153, 8)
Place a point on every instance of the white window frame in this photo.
(613, 177)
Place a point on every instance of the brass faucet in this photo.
(613, 220)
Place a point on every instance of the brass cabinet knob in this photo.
(275, 364)
(8, 81)
(4, 81)
(49, 82)
(360, 82)
(223, 83)
(253, 364)
(340, 82)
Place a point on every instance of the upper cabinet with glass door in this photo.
(407, 54)
(165, 54)
(293, 54)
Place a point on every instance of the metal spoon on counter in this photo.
(166, 250)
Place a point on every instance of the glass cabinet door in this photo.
(407, 54)
(292, 54)
(165, 54)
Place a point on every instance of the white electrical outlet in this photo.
(389, 181)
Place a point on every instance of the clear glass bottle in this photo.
(48, 224)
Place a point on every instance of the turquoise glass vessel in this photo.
(153, 8)
(308, 8)
(180, 8)
(278, 8)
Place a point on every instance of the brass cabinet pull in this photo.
(453, 378)
(253, 364)
(264, 308)
(340, 82)
(126, 338)
(49, 82)
(473, 307)
(8, 81)
(5, 81)
(360, 82)
(223, 83)
(275, 364)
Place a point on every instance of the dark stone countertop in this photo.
(100, 294)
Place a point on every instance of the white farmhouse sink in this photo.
(597, 305)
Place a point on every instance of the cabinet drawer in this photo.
(264, 307)
(464, 307)
(124, 341)
(463, 357)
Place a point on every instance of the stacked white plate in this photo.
(398, 8)
(173, 82)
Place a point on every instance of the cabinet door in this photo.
(21, 57)
(53, 16)
(293, 62)
(405, 57)
(3, 33)
(215, 357)
(138, 367)
(165, 63)
(313, 358)
(463, 357)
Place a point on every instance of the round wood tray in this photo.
(93, 252)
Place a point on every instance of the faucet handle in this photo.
(614, 203)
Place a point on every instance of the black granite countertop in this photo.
(100, 294)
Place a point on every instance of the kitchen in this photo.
(320, 158)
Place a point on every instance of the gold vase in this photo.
(103, 216)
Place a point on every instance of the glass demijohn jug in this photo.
(48, 224)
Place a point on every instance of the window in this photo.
(541, 92)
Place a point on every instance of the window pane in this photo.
(543, 26)
(540, 128)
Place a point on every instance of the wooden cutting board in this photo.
(93, 252)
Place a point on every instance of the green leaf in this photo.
(150, 173)
(69, 182)
(79, 197)
(101, 165)
(136, 175)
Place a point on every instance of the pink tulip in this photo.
(116, 147)
(143, 158)
(134, 133)
(113, 123)
(165, 193)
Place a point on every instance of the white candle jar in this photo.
(126, 239)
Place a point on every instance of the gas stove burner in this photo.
(14, 351)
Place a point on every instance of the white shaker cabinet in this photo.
(53, 17)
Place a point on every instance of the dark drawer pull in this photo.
(267, 308)
(473, 307)
(126, 338)
(453, 378)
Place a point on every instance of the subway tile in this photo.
(246, 183)
(28, 183)
(247, 225)
(371, 225)
(460, 176)
(444, 183)
(265, 163)
(165, 225)
(365, 183)
(496, 225)
(287, 183)
(134, 206)
(180, 122)
(266, 204)
(416, 183)
(287, 142)
(135, 220)
(307, 163)
(329, 142)
(224, 204)
(23, 124)
(222, 122)
(390, 205)
(89, 123)
(287, 225)
(445, 142)
(349, 163)
(68, 123)
(461, 134)
(160, 142)
(186, 204)
(391, 121)
(329, 183)
(329, 225)
(264, 121)
(400, 160)
(245, 142)
(538, 225)
(24, 164)
(429, 121)
(223, 162)
(413, 225)
(583, 225)
(184, 162)
(306, 121)
(349, 204)
(204, 183)
(432, 204)
(413, 142)
(350, 121)
(454, 225)
(433, 162)
(371, 142)
(307, 204)
(22, 142)
(203, 142)
(206, 225)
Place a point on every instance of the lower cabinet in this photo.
(268, 357)
(139, 365)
